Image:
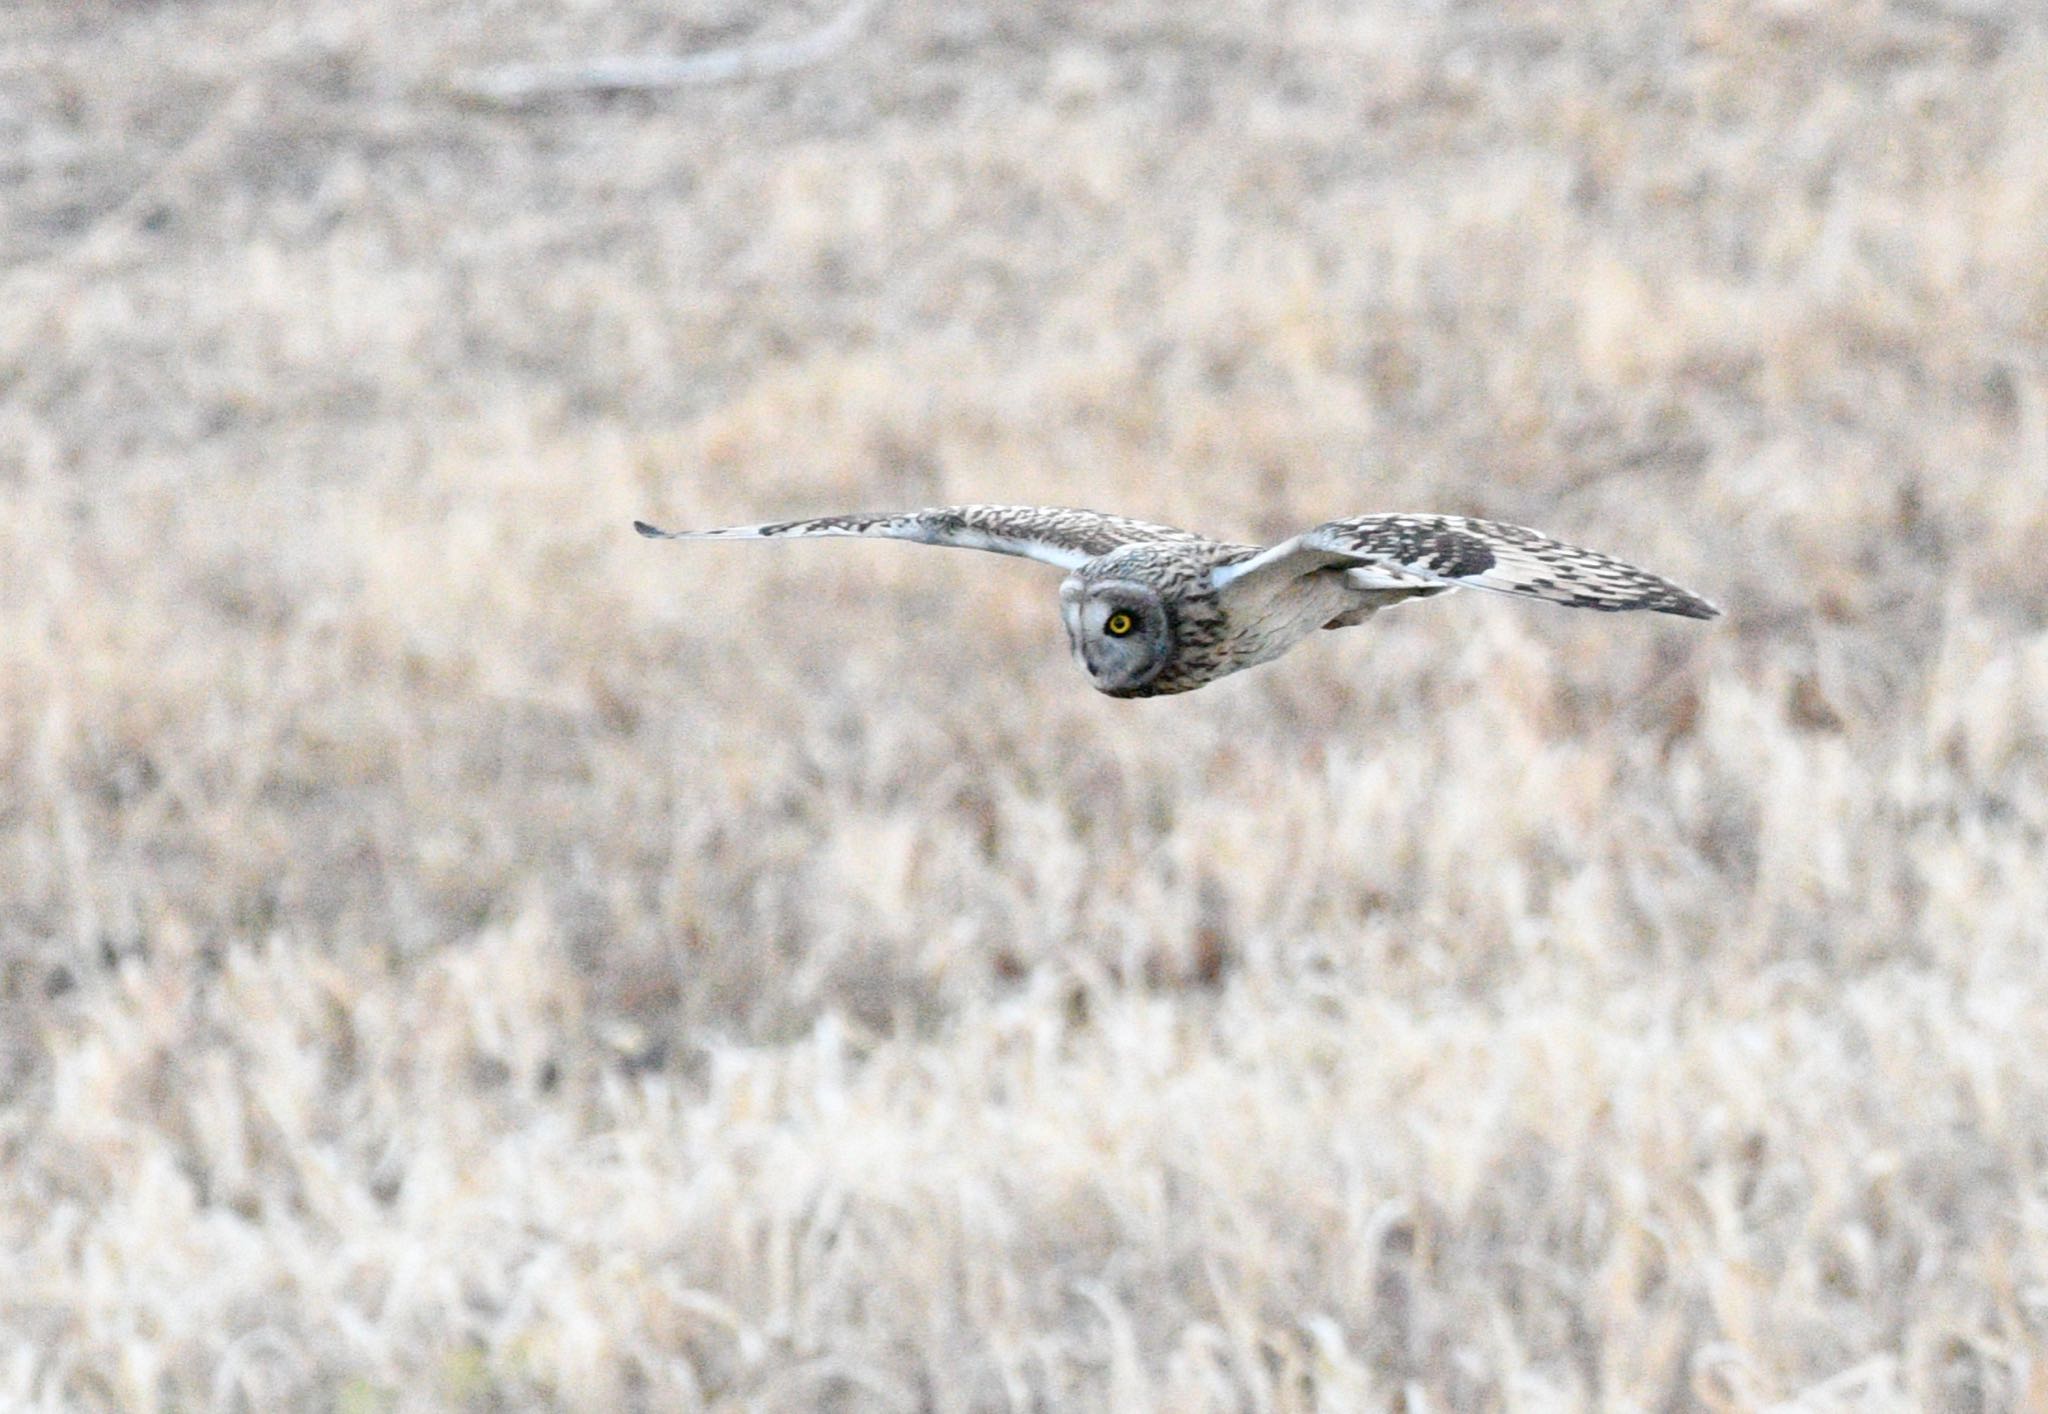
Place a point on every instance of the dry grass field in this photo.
(455, 954)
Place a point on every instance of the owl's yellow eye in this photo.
(1119, 624)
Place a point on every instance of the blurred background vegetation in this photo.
(453, 953)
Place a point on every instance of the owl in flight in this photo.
(1151, 610)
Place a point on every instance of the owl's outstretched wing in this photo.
(1055, 536)
(1448, 552)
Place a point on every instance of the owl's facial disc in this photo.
(1119, 632)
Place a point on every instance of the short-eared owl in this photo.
(1152, 610)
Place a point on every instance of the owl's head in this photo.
(1120, 631)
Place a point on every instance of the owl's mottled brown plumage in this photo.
(1152, 610)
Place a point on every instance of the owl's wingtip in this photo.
(652, 532)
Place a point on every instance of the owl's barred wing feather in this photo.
(1424, 552)
(1050, 534)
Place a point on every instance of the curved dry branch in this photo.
(517, 84)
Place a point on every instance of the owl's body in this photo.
(1210, 638)
(1152, 610)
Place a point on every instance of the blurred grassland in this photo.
(455, 954)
